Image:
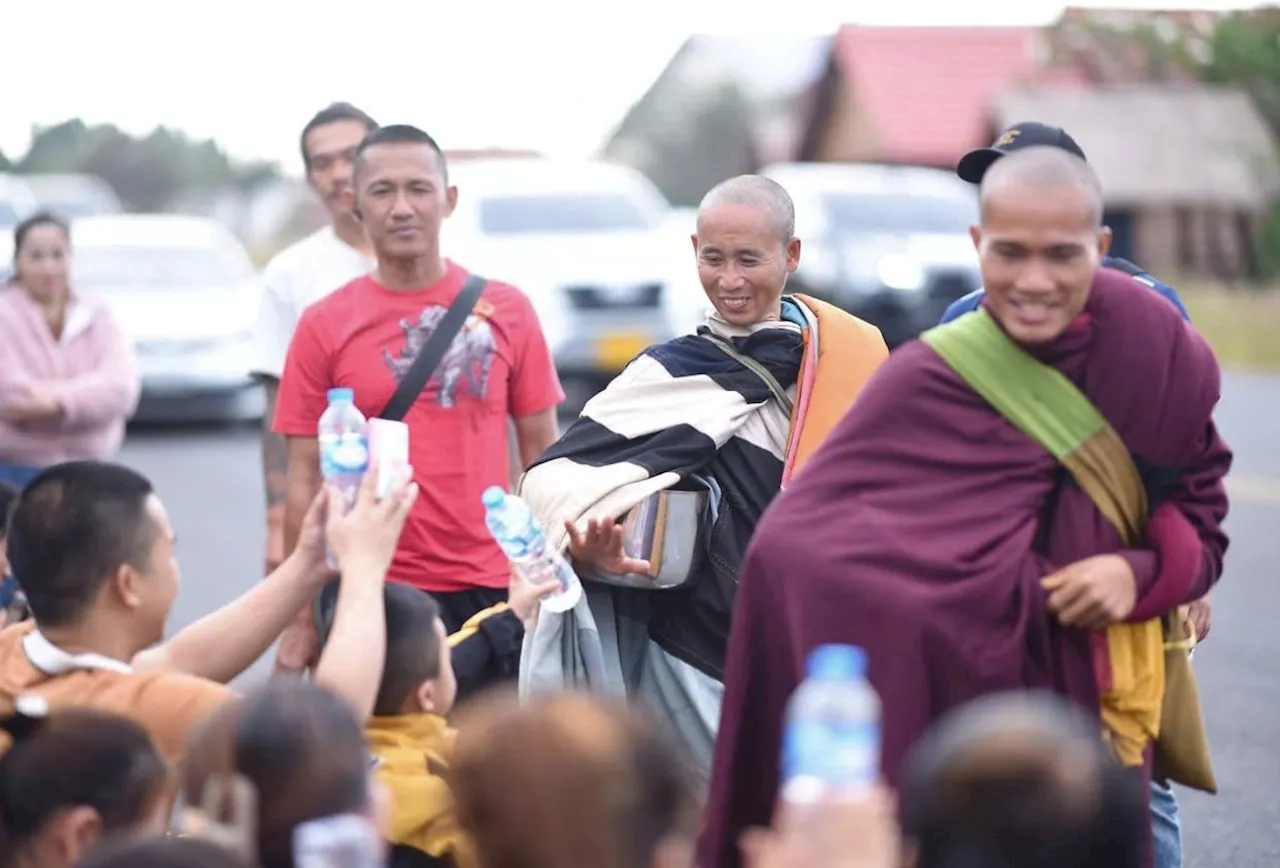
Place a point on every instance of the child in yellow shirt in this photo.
(409, 736)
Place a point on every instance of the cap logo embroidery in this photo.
(1006, 138)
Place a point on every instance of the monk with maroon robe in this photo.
(951, 546)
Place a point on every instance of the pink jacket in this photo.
(92, 371)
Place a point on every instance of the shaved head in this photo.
(1043, 168)
(1040, 240)
(1021, 779)
(755, 191)
(746, 248)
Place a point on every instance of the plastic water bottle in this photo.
(512, 524)
(340, 841)
(831, 745)
(344, 448)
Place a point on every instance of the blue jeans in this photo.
(18, 475)
(1166, 830)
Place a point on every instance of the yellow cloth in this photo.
(472, 625)
(412, 751)
(1130, 705)
(1130, 709)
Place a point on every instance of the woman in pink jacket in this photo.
(68, 375)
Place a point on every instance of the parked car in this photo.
(186, 291)
(588, 243)
(72, 196)
(890, 244)
(16, 202)
(683, 222)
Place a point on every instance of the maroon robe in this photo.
(922, 527)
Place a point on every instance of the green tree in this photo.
(1244, 51)
(148, 173)
(1240, 49)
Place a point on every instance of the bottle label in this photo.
(840, 757)
(343, 454)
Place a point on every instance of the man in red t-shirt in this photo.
(365, 335)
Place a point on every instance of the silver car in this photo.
(186, 291)
(72, 196)
(890, 244)
(588, 242)
(16, 204)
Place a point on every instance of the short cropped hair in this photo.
(73, 526)
(760, 192)
(399, 134)
(413, 647)
(332, 114)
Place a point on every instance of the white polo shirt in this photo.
(296, 277)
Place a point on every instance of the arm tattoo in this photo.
(275, 458)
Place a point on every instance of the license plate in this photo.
(615, 351)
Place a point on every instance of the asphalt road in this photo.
(210, 482)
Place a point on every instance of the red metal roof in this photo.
(928, 92)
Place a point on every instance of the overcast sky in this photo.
(554, 75)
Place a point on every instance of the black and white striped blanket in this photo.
(676, 408)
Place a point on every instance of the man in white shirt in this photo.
(304, 273)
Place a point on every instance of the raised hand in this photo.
(601, 547)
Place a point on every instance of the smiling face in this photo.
(403, 198)
(744, 259)
(1038, 249)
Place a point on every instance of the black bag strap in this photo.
(428, 358)
(769, 380)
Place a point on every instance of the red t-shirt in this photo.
(364, 337)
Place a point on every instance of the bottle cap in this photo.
(493, 496)
(31, 705)
(837, 663)
(338, 396)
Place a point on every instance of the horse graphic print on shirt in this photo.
(469, 357)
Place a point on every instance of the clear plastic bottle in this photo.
(831, 745)
(343, 435)
(339, 841)
(512, 524)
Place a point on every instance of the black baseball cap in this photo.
(974, 165)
